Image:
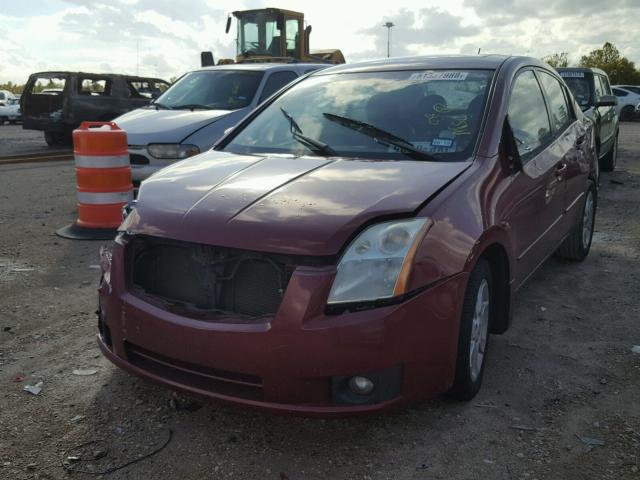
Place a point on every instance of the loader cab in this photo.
(269, 33)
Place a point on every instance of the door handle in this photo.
(561, 169)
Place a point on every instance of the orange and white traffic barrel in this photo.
(103, 180)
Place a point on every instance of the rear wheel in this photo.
(473, 338)
(608, 162)
(577, 244)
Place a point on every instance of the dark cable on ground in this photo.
(69, 466)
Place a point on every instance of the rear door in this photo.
(94, 99)
(536, 213)
(569, 146)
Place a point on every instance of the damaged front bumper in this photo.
(299, 360)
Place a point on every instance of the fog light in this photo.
(361, 385)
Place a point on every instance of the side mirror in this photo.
(206, 59)
(228, 27)
(510, 146)
(607, 101)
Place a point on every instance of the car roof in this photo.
(581, 69)
(485, 62)
(90, 74)
(262, 67)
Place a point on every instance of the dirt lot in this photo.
(565, 370)
(14, 141)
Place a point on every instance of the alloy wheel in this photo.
(479, 331)
(587, 220)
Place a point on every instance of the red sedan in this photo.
(350, 245)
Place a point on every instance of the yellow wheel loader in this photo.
(273, 35)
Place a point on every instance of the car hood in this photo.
(148, 125)
(281, 204)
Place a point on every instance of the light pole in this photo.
(388, 25)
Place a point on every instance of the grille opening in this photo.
(203, 280)
(195, 376)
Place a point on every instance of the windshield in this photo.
(258, 34)
(211, 89)
(385, 115)
(580, 85)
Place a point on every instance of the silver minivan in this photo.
(197, 109)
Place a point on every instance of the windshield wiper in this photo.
(381, 136)
(192, 107)
(160, 106)
(312, 144)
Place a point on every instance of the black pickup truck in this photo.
(592, 91)
(57, 102)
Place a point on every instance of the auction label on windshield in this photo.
(572, 74)
(437, 75)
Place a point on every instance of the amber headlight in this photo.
(377, 263)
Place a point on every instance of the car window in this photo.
(291, 28)
(435, 111)
(558, 106)
(606, 87)
(599, 91)
(528, 115)
(275, 82)
(620, 93)
(48, 85)
(94, 86)
(579, 85)
(213, 89)
(146, 88)
(633, 89)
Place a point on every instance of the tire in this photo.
(473, 338)
(51, 138)
(626, 115)
(577, 245)
(608, 162)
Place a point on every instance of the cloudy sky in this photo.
(164, 37)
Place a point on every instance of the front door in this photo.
(536, 212)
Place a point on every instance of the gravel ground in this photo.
(561, 378)
(14, 141)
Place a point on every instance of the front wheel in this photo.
(577, 245)
(52, 138)
(473, 338)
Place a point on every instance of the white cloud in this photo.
(164, 37)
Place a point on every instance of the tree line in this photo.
(620, 69)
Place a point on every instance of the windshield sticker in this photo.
(572, 74)
(441, 142)
(437, 75)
